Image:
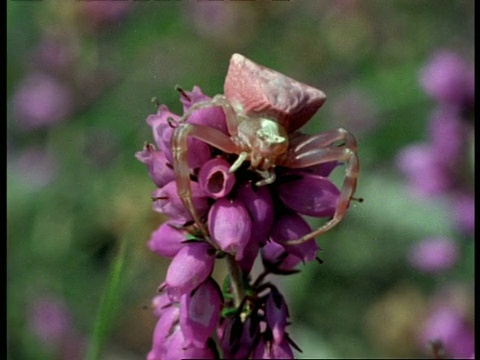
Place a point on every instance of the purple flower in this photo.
(448, 79)
(434, 254)
(445, 324)
(160, 303)
(41, 101)
(175, 349)
(230, 226)
(266, 349)
(276, 258)
(158, 166)
(211, 116)
(189, 268)
(167, 240)
(308, 194)
(290, 227)
(51, 322)
(237, 338)
(276, 313)
(198, 151)
(463, 211)
(259, 204)
(214, 178)
(200, 313)
(423, 167)
(162, 331)
(448, 134)
(168, 202)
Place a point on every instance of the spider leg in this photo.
(209, 135)
(218, 100)
(320, 149)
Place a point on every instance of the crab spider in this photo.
(263, 109)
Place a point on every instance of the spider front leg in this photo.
(206, 134)
(320, 149)
(218, 100)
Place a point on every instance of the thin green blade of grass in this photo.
(108, 305)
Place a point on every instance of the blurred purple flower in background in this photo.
(440, 166)
(434, 254)
(41, 101)
(448, 79)
(447, 325)
(51, 322)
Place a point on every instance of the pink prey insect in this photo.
(263, 110)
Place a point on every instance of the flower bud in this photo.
(230, 226)
(259, 204)
(447, 78)
(198, 151)
(266, 349)
(199, 313)
(167, 240)
(156, 162)
(160, 303)
(214, 178)
(309, 194)
(276, 259)
(162, 331)
(276, 314)
(434, 255)
(168, 202)
(290, 227)
(189, 268)
(176, 349)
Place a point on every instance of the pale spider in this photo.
(263, 110)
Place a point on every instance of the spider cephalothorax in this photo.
(263, 111)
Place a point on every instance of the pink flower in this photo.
(200, 313)
(448, 78)
(168, 202)
(41, 101)
(308, 194)
(157, 164)
(230, 226)
(211, 116)
(445, 324)
(214, 178)
(276, 314)
(189, 268)
(290, 227)
(434, 254)
(167, 240)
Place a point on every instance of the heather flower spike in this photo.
(234, 176)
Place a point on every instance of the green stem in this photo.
(236, 280)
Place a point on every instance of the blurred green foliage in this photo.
(63, 234)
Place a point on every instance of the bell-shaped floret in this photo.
(167, 240)
(199, 313)
(230, 226)
(189, 268)
(308, 194)
(214, 178)
(168, 202)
